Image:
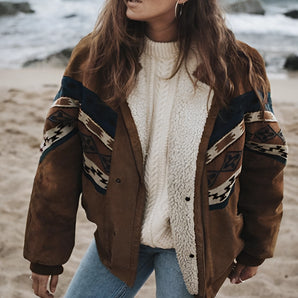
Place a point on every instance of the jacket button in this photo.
(191, 256)
(187, 199)
(118, 180)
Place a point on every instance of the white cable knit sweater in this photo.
(170, 116)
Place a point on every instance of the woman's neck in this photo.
(162, 32)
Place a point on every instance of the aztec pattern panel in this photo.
(241, 126)
(97, 152)
(76, 108)
(223, 171)
(263, 135)
(266, 138)
(61, 124)
(97, 126)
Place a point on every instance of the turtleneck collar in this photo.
(161, 50)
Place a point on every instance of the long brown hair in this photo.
(117, 43)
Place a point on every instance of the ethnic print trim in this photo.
(259, 116)
(230, 164)
(218, 197)
(95, 129)
(65, 102)
(54, 135)
(75, 102)
(280, 151)
(225, 142)
(65, 125)
(95, 174)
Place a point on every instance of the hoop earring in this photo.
(176, 9)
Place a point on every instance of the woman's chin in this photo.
(133, 16)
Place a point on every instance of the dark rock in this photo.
(292, 14)
(291, 62)
(70, 16)
(243, 6)
(66, 52)
(59, 59)
(24, 7)
(8, 8)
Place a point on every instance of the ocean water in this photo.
(50, 29)
(274, 35)
(58, 24)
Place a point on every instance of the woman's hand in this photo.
(40, 285)
(240, 273)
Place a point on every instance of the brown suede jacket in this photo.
(93, 150)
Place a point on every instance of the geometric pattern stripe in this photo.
(66, 102)
(276, 150)
(222, 192)
(54, 135)
(96, 130)
(89, 147)
(95, 173)
(225, 142)
(258, 116)
(230, 164)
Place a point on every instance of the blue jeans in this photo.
(94, 280)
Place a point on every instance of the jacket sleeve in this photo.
(50, 229)
(261, 185)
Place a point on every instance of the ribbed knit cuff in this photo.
(46, 270)
(249, 260)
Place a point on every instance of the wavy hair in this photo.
(117, 43)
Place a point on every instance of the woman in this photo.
(164, 124)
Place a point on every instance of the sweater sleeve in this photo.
(261, 184)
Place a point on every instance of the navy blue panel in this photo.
(233, 114)
(91, 104)
(99, 111)
(70, 88)
(97, 187)
(268, 105)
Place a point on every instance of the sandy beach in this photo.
(25, 95)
